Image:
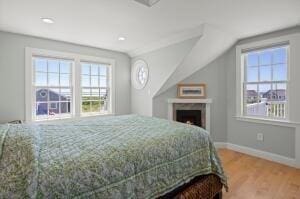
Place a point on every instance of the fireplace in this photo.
(192, 117)
(192, 111)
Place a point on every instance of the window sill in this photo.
(86, 115)
(58, 120)
(285, 123)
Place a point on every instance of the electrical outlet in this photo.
(260, 137)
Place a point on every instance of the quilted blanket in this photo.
(103, 157)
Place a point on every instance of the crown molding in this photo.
(167, 41)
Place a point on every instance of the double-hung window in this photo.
(265, 82)
(65, 85)
(53, 89)
(95, 88)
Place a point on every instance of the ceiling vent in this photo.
(148, 3)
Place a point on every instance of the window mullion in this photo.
(272, 67)
(90, 88)
(252, 106)
(99, 82)
(33, 87)
(59, 81)
(39, 64)
(48, 101)
(77, 87)
(46, 110)
(99, 96)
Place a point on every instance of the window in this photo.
(265, 82)
(142, 75)
(139, 74)
(65, 85)
(53, 105)
(95, 89)
(53, 88)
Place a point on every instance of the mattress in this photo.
(127, 156)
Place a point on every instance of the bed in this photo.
(127, 156)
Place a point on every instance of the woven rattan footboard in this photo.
(202, 187)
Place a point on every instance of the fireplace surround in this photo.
(192, 117)
(195, 111)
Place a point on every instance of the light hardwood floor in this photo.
(254, 178)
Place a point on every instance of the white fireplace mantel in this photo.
(189, 101)
(207, 103)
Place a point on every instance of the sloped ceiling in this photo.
(162, 63)
(211, 45)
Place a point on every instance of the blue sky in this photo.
(260, 65)
(91, 74)
(55, 67)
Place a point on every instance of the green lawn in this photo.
(92, 106)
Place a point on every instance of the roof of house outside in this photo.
(53, 93)
(251, 93)
(279, 92)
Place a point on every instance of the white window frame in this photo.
(240, 76)
(82, 87)
(49, 103)
(76, 80)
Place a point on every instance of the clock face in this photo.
(139, 74)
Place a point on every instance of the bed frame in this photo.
(202, 187)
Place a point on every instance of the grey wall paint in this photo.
(279, 33)
(214, 76)
(12, 67)
(278, 140)
(161, 64)
(220, 77)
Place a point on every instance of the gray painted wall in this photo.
(161, 64)
(220, 77)
(214, 76)
(277, 139)
(12, 67)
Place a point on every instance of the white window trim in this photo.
(76, 79)
(240, 78)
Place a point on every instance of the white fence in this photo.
(275, 109)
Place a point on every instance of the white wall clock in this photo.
(139, 74)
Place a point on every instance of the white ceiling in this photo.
(99, 23)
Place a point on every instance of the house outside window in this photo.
(265, 82)
(53, 88)
(56, 87)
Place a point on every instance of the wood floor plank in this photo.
(255, 178)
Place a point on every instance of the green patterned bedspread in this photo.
(103, 157)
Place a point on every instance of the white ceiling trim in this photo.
(167, 41)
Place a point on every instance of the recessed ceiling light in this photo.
(121, 38)
(47, 20)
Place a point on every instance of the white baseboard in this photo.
(258, 153)
(220, 145)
